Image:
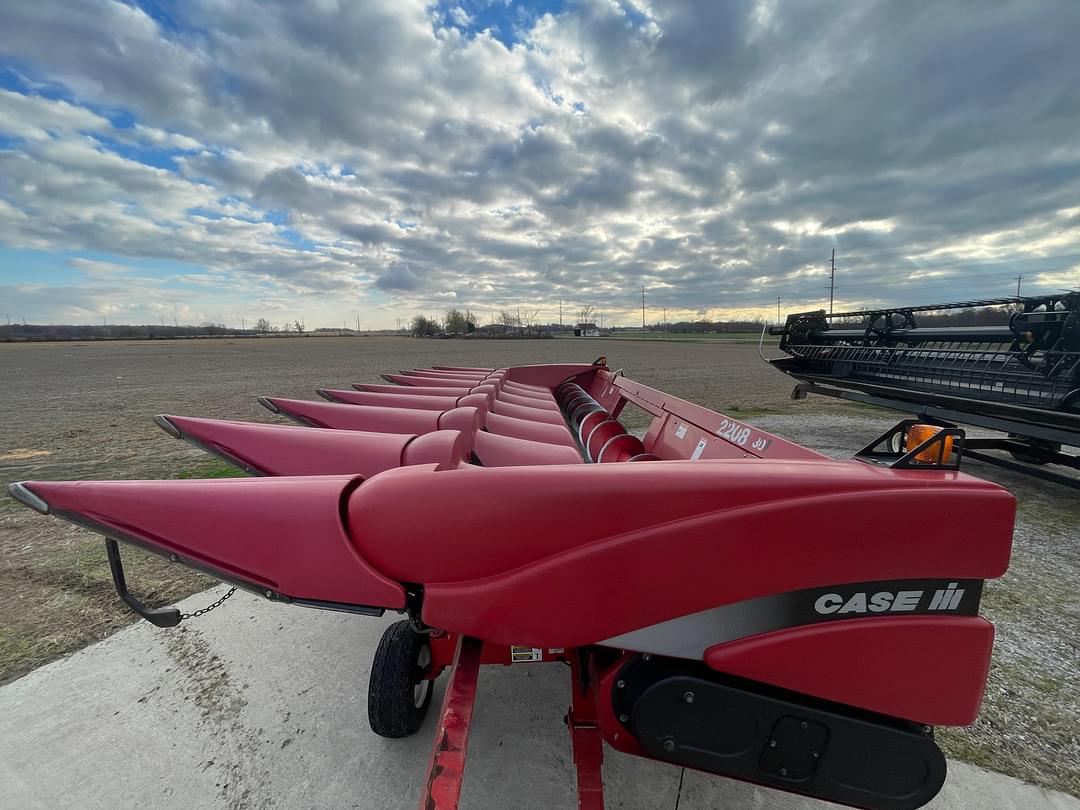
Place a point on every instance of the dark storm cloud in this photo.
(398, 277)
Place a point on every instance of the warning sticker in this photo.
(520, 655)
(680, 431)
(698, 450)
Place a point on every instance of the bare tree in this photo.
(298, 326)
(262, 326)
(528, 319)
(586, 314)
(508, 321)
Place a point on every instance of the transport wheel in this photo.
(398, 694)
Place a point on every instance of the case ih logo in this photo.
(861, 602)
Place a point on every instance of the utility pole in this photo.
(243, 324)
(778, 310)
(643, 308)
(560, 317)
(357, 321)
(1018, 280)
(665, 319)
(832, 279)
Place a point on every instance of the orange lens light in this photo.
(917, 434)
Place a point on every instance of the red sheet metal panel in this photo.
(542, 415)
(623, 582)
(678, 438)
(550, 375)
(504, 451)
(283, 534)
(528, 429)
(400, 399)
(293, 450)
(659, 540)
(930, 669)
(793, 514)
(752, 441)
(414, 390)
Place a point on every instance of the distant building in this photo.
(586, 330)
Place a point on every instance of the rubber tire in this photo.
(392, 710)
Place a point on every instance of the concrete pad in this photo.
(264, 705)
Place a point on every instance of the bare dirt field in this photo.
(83, 410)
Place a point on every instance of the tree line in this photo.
(44, 332)
(462, 323)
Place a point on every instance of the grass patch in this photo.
(211, 468)
(1020, 705)
(740, 412)
(56, 591)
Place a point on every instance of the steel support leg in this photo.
(442, 785)
(588, 746)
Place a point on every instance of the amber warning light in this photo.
(917, 434)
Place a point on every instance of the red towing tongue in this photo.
(282, 537)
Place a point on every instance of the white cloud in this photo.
(367, 155)
(460, 16)
(37, 119)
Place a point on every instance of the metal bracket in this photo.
(160, 617)
(888, 449)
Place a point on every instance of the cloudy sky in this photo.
(225, 159)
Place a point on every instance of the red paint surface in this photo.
(284, 534)
(442, 784)
(930, 669)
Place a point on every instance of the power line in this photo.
(787, 285)
(981, 263)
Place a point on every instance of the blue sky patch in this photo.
(505, 19)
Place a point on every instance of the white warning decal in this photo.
(698, 450)
(520, 655)
(680, 431)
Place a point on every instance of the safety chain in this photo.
(208, 608)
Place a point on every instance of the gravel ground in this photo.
(83, 410)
